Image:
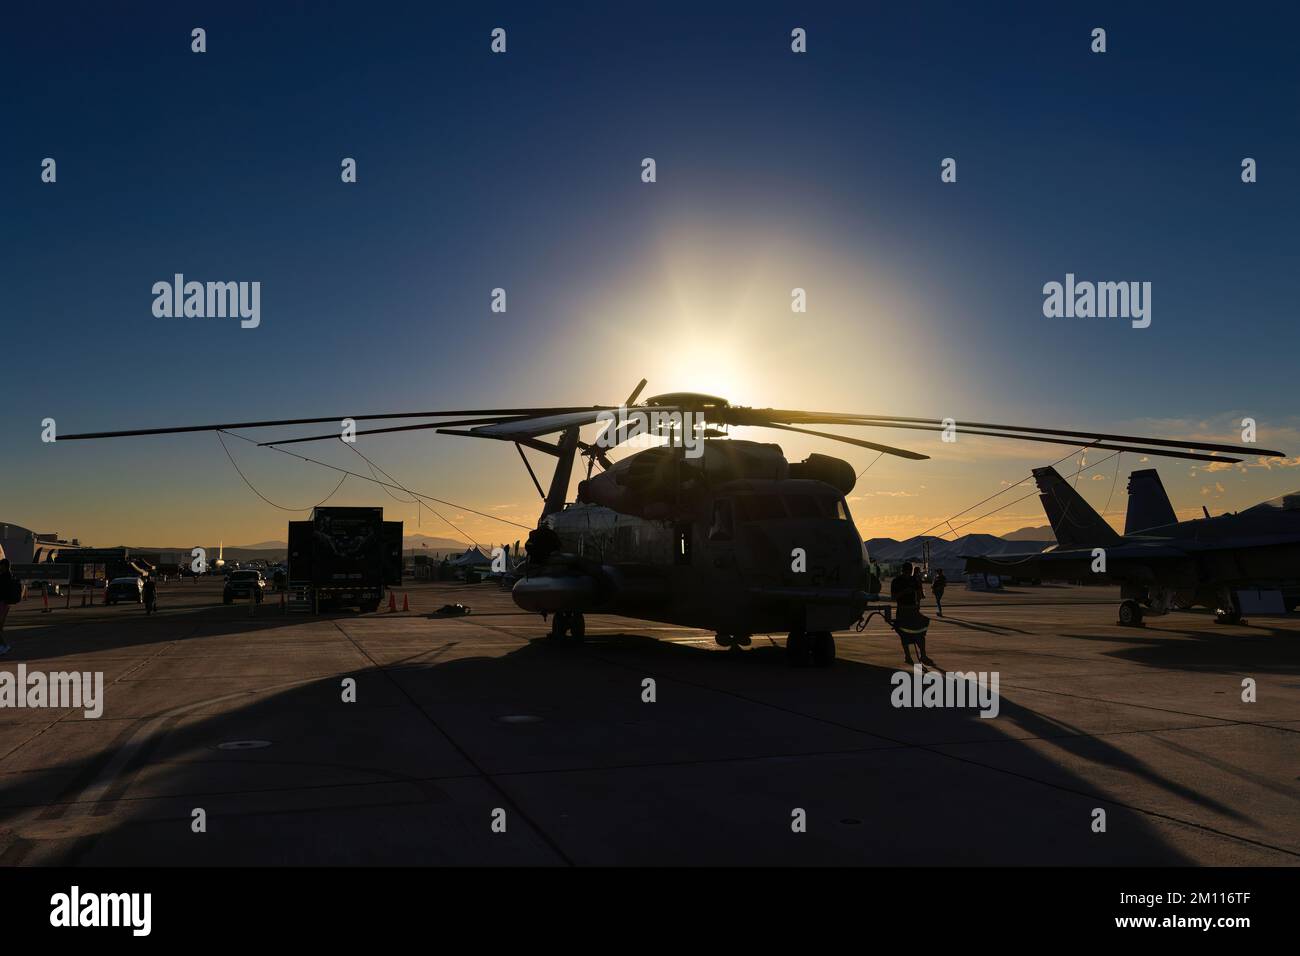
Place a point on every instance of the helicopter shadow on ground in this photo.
(840, 699)
(135, 629)
(560, 736)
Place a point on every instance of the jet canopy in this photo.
(1289, 502)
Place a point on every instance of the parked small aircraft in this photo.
(1160, 562)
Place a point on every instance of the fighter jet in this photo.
(1161, 563)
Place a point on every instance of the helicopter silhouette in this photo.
(704, 531)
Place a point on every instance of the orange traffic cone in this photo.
(406, 606)
(392, 601)
(45, 598)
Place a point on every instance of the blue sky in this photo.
(522, 171)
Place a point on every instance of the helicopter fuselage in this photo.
(735, 555)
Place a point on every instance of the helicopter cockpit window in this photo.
(760, 507)
(841, 509)
(806, 506)
(721, 527)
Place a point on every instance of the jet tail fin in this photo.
(1148, 503)
(1075, 523)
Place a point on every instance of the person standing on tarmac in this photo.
(909, 622)
(939, 585)
(11, 591)
(150, 595)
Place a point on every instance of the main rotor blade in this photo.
(276, 423)
(636, 392)
(887, 449)
(631, 400)
(383, 431)
(547, 447)
(893, 421)
(531, 422)
(533, 426)
(1136, 449)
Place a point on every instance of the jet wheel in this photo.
(1232, 613)
(1130, 614)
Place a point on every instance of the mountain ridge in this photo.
(949, 554)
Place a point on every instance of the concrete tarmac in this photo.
(476, 740)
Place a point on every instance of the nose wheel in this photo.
(1130, 614)
(571, 623)
(1229, 610)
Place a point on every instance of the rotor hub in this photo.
(689, 401)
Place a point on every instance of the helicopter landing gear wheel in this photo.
(822, 648)
(798, 649)
(1130, 614)
(568, 622)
